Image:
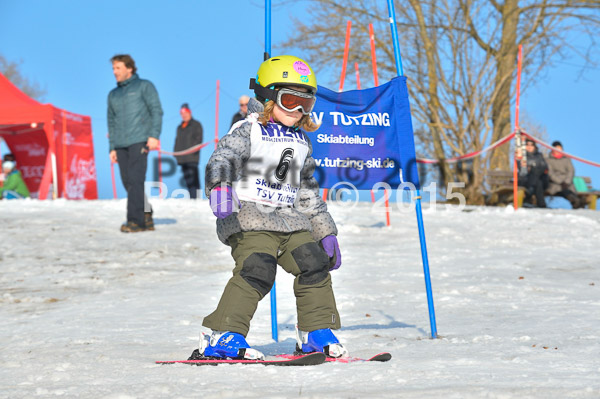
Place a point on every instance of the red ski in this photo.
(310, 359)
(381, 357)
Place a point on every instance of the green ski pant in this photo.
(256, 255)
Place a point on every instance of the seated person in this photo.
(560, 174)
(7, 157)
(14, 185)
(531, 174)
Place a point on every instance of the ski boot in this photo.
(321, 340)
(225, 344)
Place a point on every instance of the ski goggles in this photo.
(291, 100)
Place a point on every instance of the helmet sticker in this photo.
(285, 74)
(301, 68)
(304, 79)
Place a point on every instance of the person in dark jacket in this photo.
(243, 112)
(189, 134)
(560, 174)
(134, 123)
(532, 170)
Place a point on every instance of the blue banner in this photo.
(366, 137)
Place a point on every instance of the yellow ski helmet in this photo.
(283, 70)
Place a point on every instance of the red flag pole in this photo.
(346, 49)
(64, 154)
(217, 116)
(387, 208)
(375, 78)
(515, 167)
(357, 76)
(373, 58)
(376, 81)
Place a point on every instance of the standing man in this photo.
(134, 125)
(189, 134)
(243, 112)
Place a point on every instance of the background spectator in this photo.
(531, 174)
(560, 175)
(243, 112)
(189, 134)
(134, 124)
(7, 157)
(14, 186)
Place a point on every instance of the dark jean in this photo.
(534, 185)
(571, 197)
(191, 177)
(133, 161)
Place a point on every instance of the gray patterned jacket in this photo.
(308, 213)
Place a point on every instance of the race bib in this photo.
(271, 175)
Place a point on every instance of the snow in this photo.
(86, 310)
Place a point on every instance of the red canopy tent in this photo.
(51, 145)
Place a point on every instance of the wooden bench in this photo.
(589, 197)
(500, 183)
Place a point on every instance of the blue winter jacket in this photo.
(134, 113)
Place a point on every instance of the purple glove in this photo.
(332, 249)
(222, 201)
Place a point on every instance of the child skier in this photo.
(262, 191)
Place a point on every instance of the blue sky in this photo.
(184, 47)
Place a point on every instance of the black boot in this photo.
(131, 227)
(575, 201)
(148, 221)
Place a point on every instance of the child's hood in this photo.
(255, 106)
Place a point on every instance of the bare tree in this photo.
(11, 71)
(460, 60)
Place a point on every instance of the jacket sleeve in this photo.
(536, 163)
(110, 118)
(176, 146)
(12, 182)
(198, 134)
(226, 163)
(543, 164)
(310, 203)
(150, 96)
(570, 172)
(8, 185)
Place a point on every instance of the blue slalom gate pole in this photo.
(398, 58)
(273, 294)
(267, 29)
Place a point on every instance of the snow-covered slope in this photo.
(86, 310)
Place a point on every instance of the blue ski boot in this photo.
(321, 340)
(227, 344)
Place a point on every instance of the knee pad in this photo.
(259, 271)
(313, 263)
